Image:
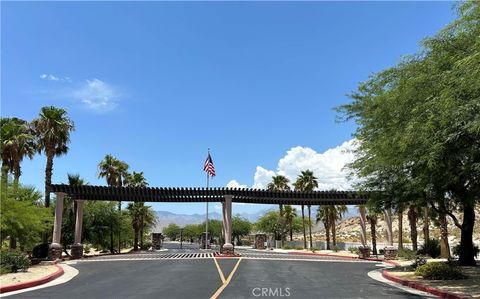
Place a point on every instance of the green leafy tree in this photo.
(52, 128)
(240, 227)
(306, 181)
(172, 231)
(418, 127)
(271, 223)
(101, 221)
(22, 216)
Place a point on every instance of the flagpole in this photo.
(206, 217)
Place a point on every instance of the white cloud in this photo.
(328, 167)
(262, 177)
(235, 184)
(97, 95)
(54, 78)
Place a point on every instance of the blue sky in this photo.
(157, 83)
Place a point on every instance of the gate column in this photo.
(77, 247)
(55, 249)
(228, 246)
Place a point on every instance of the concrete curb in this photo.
(420, 287)
(32, 283)
(347, 257)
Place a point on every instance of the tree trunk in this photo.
(327, 232)
(291, 232)
(111, 238)
(467, 257)
(426, 224)
(444, 246)
(135, 239)
(4, 174)
(373, 222)
(48, 178)
(400, 229)
(334, 231)
(310, 226)
(13, 243)
(412, 220)
(282, 237)
(120, 228)
(17, 172)
(141, 236)
(304, 231)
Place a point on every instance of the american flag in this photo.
(208, 166)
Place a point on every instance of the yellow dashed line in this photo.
(225, 284)
(222, 277)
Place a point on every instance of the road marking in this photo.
(220, 272)
(225, 284)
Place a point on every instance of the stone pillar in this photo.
(390, 251)
(364, 250)
(228, 246)
(77, 247)
(223, 221)
(55, 249)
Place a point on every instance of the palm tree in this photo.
(306, 181)
(336, 214)
(290, 213)
(18, 141)
(114, 171)
(52, 128)
(136, 209)
(323, 214)
(148, 221)
(279, 183)
(372, 218)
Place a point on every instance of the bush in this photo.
(87, 249)
(287, 247)
(336, 249)
(406, 253)
(439, 271)
(431, 247)
(353, 249)
(419, 261)
(299, 248)
(13, 261)
(313, 249)
(456, 250)
(40, 251)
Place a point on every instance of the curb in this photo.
(420, 287)
(347, 257)
(32, 283)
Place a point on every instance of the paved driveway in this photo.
(204, 277)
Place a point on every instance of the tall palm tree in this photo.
(148, 221)
(306, 181)
(136, 209)
(323, 215)
(279, 183)
(17, 142)
(114, 171)
(290, 213)
(52, 128)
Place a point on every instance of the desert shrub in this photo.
(87, 249)
(13, 261)
(406, 253)
(40, 251)
(336, 249)
(146, 246)
(313, 249)
(299, 248)
(431, 247)
(439, 271)
(353, 249)
(287, 247)
(456, 250)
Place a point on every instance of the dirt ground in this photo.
(34, 272)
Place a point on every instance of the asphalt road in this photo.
(200, 278)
